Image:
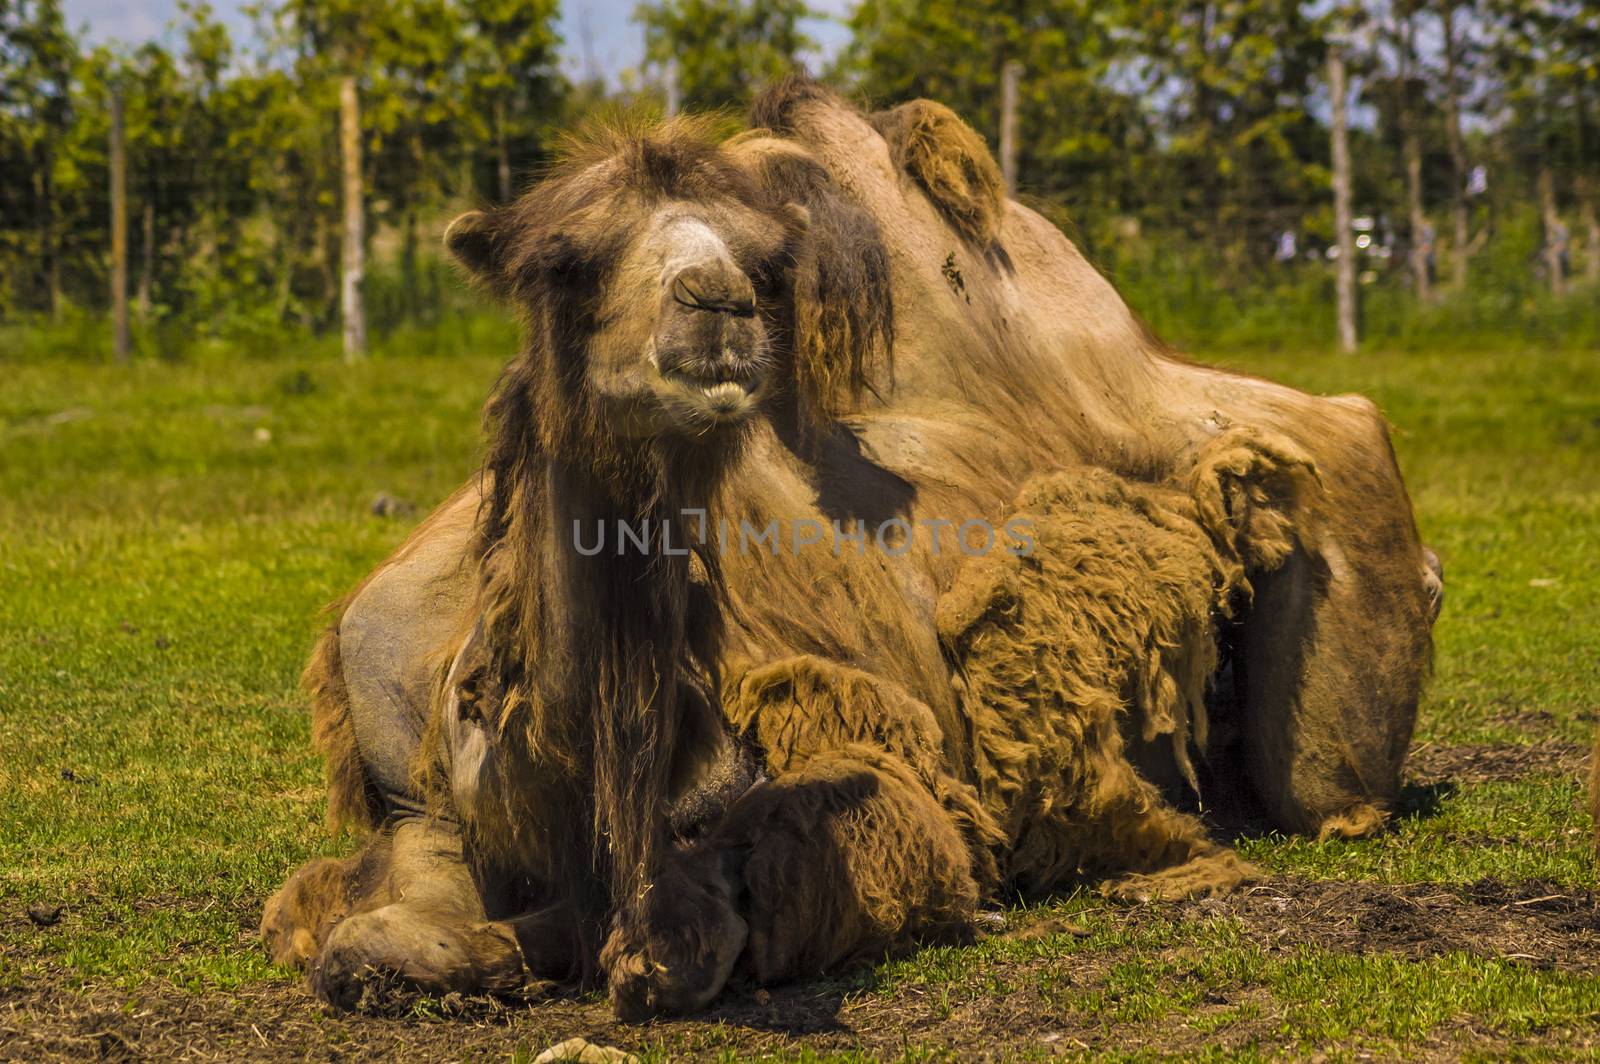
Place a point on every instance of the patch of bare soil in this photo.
(1532, 922)
(1493, 762)
(1019, 1007)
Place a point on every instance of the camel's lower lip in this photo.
(718, 394)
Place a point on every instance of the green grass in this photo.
(168, 533)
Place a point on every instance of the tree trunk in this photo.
(502, 151)
(352, 312)
(1346, 263)
(147, 255)
(1554, 231)
(1460, 243)
(119, 234)
(1411, 149)
(1591, 231)
(49, 244)
(1010, 74)
(672, 102)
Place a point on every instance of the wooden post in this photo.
(1010, 74)
(1411, 149)
(670, 77)
(1460, 244)
(502, 150)
(352, 263)
(1342, 220)
(119, 234)
(1554, 232)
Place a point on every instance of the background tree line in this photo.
(1185, 143)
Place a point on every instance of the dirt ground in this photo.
(1530, 923)
(1432, 763)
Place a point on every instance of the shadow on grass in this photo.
(1423, 801)
(793, 1009)
(1242, 817)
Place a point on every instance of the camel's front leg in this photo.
(845, 859)
(405, 912)
(860, 845)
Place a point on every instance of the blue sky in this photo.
(599, 34)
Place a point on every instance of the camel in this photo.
(846, 556)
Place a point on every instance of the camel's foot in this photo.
(371, 955)
(1217, 872)
(1356, 822)
(299, 917)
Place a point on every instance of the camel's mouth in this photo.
(727, 396)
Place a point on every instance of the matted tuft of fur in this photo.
(352, 801)
(1249, 488)
(842, 319)
(950, 162)
(1112, 614)
(847, 857)
(798, 709)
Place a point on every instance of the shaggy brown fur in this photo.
(937, 727)
(351, 801)
(800, 709)
(1113, 614)
(844, 859)
(949, 160)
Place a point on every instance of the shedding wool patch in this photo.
(1114, 613)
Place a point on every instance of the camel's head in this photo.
(653, 273)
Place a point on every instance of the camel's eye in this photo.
(769, 273)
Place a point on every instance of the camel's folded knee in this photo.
(299, 917)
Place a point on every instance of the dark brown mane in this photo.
(841, 316)
(607, 663)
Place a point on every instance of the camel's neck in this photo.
(614, 593)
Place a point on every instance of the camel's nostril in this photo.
(717, 287)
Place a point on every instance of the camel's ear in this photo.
(473, 240)
(799, 219)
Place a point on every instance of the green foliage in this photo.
(1085, 143)
(1181, 140)
(1194, 297)
(724, 49)
(233, 163)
